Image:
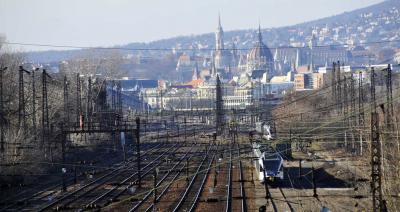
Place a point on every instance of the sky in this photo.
(93, 23)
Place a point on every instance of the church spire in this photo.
(219, 21)
(219, 35)
(259, 33)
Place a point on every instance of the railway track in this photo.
(116, 191)
(190, 197)
(285, 199)
(238, 189)
(101, 192)
(164, 184)
(78, 195)
(228, 206)
(279, 197)
(21, 201)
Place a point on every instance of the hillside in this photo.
(374, 23)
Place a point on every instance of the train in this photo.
(268, 163)
(265, 130)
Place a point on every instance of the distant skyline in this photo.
(107, 23)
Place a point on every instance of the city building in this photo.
(260, 57)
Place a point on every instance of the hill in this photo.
(374, 23)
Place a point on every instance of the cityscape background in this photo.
(108, 23)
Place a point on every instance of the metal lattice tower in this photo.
(352, 101)
(119, 100)
(34, 102)
(219, 123)
(21, 100)
(2, 115)
(338, 89)
(345, 99)
(360, 100)
(113, 99)
(333, 82)
(389, 98)
(89, 102)
(376, 152)
(78, 98)
(66, 102)
(45, 110)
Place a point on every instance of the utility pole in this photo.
(66, 102)
(155, 189)
(21, 101)
(352, 117)
(314, 182)
(118, 111)
(78, 99)
(119, 101)
(389, 99)
(64, 169)
(2, 114)
(184, 120)
(333, 82)
(376, 152)
(113, 108)
(339, 88)
(352, 101)
(219, 108)
(138, 150)
(89, 106)
(345, 103)
(360, 99)
(360, 109)
(34, 102)
(45, 110)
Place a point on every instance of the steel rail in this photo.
(166, 189)
(122, 182)
(105, 177)
(148, 194)
(188, 188)
(53, 187)
(242, 188)
(228, 207)
(197, 197)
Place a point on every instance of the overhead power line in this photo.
(183, 49)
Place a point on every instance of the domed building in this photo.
(260, 57)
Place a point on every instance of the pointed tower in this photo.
(196, 75)
(298, 59)
(259, 33)
(234, 53)
(219, 36)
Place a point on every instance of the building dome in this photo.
(260, 57)
(260, 51)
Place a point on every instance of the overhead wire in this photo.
(182, 49)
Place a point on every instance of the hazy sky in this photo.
(112, 22)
